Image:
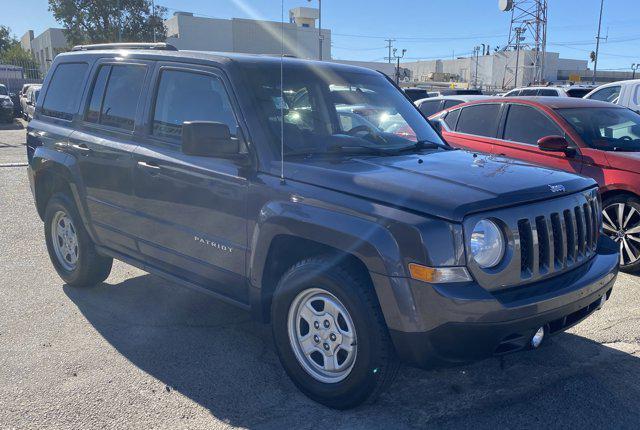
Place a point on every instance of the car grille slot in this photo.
(544, 245)
(572, 244)
(581, 230)
(526, 248)
(559, 241)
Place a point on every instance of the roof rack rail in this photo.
(160, 46)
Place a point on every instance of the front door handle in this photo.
(149, 166)
(82, 147)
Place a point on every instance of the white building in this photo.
(301, 36)
(496, 70)
(45, 46)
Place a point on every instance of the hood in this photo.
(629, 161)
(446, 184)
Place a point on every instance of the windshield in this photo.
(3, 91)
(608, 129)
(326, 108)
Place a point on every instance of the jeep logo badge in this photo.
(557, 188)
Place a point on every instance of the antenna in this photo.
(282, 91)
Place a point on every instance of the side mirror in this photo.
(554, 144)
(437, 125)
(208, 139)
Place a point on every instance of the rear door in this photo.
(103, 144)
(475, 128)
(523, 127)
(191, 209)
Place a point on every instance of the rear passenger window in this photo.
(529, 92)
(526, 124)
(63, 94)
(479, 120)
(429, 107)
(190, 96)
(115, 95)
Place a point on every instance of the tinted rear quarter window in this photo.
(451, 103)
(547, 93)
(526, 124)
(430, 107)
(65, 88)
(529, 92)
(480, 120)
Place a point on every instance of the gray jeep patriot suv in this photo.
(372, 243)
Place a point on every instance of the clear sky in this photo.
(426, 28)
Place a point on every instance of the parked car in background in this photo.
(550, 91)
(432, 105)
(588, 137)
(249, 178)
(23, 98)
(6, 105)
(622, 93)
(415, 93)
(31, 98)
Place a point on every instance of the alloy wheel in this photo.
(621, 222)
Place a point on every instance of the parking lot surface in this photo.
(137, 352)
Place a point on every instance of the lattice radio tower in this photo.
(527, 33)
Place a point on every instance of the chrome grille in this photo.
(544, 239)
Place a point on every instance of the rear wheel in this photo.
(621, 222)
(330, 334)
(71, 250)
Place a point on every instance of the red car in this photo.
(589, 137)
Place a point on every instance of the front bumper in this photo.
(437, 324)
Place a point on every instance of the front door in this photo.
(191, 209)
(523, 127)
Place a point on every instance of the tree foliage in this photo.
(108, 21)
(6, 39)
(12, 53)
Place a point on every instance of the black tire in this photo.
(375, 366)
(91, 268)
(634, 203)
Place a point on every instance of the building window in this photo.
(305, 25)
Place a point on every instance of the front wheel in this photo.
(71, 250)
(621, 222)
(330, 334)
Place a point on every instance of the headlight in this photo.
(487, 244)
(7, 103)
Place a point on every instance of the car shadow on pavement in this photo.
(16, 124)
(215, 355)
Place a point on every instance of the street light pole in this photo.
(595, 61)
(519, 32)
(398, 57)
(153, 18)
(634, 67)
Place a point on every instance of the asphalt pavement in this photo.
(138, 352)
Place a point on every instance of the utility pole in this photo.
(398, 57)
(595, 61)
(153, 19)
(389, 46)
(519, 31)
(634, 67)
(476, 53)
